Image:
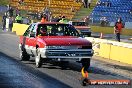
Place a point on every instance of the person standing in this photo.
(4, 22)
(18, 19)
(86, 20)
(63, 20)
(9, 11)
(17, 11)
(86, 3)
(89, 3)
(118, 29)
(10, 23)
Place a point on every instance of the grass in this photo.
(4, 2)
(83, 12)
(110, 30)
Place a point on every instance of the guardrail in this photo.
(108, 49)
(19, 29)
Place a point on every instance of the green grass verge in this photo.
(83, 12)
(4, 2)
(110, 30)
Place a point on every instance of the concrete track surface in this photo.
(17, 74)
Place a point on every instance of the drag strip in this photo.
(14, 74)
(51, 75)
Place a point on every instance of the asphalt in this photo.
(14, 74)
(17, 74)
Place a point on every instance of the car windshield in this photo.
(58, 30)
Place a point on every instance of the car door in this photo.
(25, 40)
(32, 39)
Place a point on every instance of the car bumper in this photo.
(74, 54)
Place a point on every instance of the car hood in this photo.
(65, 41)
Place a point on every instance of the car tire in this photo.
(24, 56)
(64, 64)
(85, 63)
(38, 59)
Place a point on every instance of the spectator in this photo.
(9, 11)
(53, 19)
(118, 29)
(63, 20)
(72, 9)
(43, 20)
(17, 11)
(98, 3)
(77, 0)
(39, 16)
(18, 19)
(103, 21)
(85, 3)
(47, 13)
(107, 4)
(89, 3)
(4, 22)
(20, 2)
(10, 23)
(58, 19)
(130, 11)
(86, 20)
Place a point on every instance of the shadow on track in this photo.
(31, 73)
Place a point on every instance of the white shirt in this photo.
(89, 1)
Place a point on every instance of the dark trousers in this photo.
(10, 27)
(118, 37)
(4, 26)
(89, 4)
(85, 3)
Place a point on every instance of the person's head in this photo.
(42, 31)
(87, 16)
(59, 16)
(63, 17)
(119, 19)
(18, 14)
(5, 14)
(59, 28)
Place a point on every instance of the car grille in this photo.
(68, 53)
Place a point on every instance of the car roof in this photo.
(49, 23)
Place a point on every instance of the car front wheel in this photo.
(24, 56)
(86, 63)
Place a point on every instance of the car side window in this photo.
(32, 31)
(27, 31)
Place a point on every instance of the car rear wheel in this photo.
(38, 59)
(24, 56)
(85, 63)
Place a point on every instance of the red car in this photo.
(54, 41)
(82, 28)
